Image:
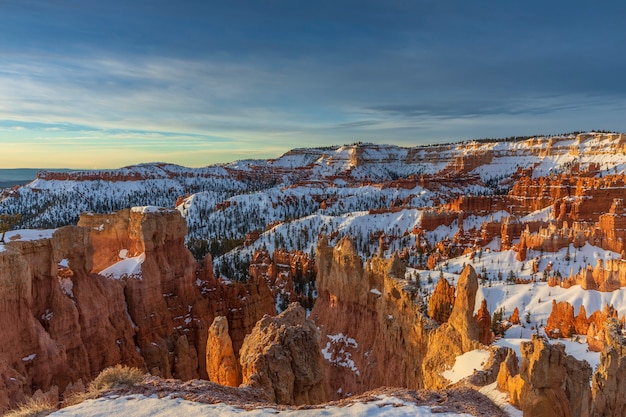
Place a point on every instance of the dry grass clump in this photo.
(115, 377)
(40, 405)
(37, 406)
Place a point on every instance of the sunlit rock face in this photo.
(374, 331)
(118, 288)
(282, 356)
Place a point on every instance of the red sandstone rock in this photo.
(221, 364)
(561, 320)
(70, 323)
(441, 301)
(282, 356)
(483, 318)
(515, 316)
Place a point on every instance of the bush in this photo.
(37, 406)
(114, 377)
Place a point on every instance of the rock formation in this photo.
(65, 322)
(371, 314)
(221, 364)
(372, 323)
(458, 335)
(542, 373)
(282, 356)
(549, 383)
(607, 385)
(561, 322)
(441, 301)
(483, 319)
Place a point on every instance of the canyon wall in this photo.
(64, 321)
(374, 330)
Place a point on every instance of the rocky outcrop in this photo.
(373, 324)
(282, 357)
(483, 319)
(221, 364)
(514, 319)
(561, 322)
(549, 383)
(459, 335)
(57, 330)
(462, 319)
(607, 385)
(441, 301)
(542, 373)
(66, 322)
(289, 274)
(371, 321)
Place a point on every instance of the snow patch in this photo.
(149, 209)
(126, 268)
(466, 364)
(67, 286)
(335, 351)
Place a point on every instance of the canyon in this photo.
(381, 265)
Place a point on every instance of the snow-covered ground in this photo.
(141, 406)
(465, 365)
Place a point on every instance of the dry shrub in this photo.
(37, 406)
(115, 377)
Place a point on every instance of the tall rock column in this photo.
(221, 364)
(458, 335)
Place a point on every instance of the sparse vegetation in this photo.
(7, 221)
(114, 377)
(37, 406)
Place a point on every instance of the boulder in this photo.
(282, 356)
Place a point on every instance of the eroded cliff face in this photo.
(550, 383)
(64, 321)
(60, 322)
(374, 331)
(282, 357)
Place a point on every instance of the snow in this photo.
(67, 286)
(335, 351)
(141, 406)
(577, 349)
(129, 267)
(466, 364)
(540, 215)
(28, 234)
(148, 209)
(29, 357)
(500, 399)
(376, 291)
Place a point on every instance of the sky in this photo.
(104, 84)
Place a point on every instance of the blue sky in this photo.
(92, 84)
